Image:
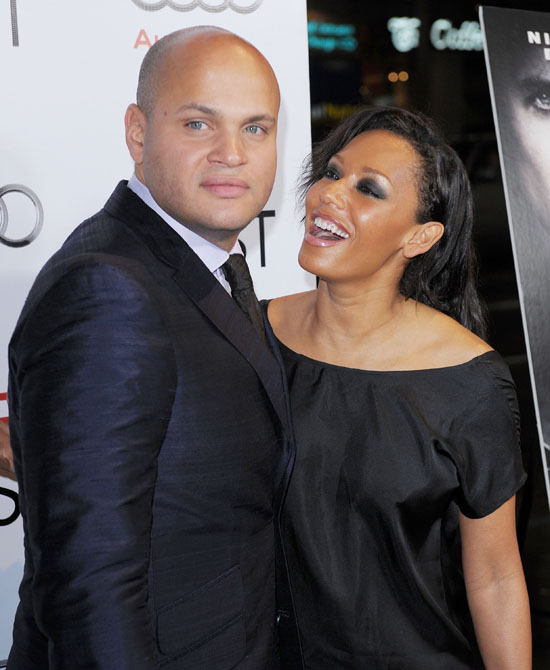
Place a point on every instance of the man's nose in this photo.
(228, 149)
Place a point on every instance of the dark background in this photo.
(450, 85)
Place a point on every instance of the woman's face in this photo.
(361, 212)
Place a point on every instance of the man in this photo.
(148, 418)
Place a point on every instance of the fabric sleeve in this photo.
(487, 443)
(93, 382)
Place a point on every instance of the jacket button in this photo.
(280, 615)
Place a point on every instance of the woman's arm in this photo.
(495, 585)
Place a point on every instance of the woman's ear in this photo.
(423, 238)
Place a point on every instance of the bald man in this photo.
(148, 418)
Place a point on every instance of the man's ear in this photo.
(423, 238)
(134, 123)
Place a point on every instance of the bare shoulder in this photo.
(286, 314)
(286, 307)
(447, 342)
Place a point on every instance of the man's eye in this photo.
(255, 130)
(541, 102)
(536, 95)
(196, 125)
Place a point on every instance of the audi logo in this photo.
(239, 6)
(4, 217)
(11, 495)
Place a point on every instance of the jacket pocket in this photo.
(206, 625)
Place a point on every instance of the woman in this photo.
(400, 510)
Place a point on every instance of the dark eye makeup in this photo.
(371, 187)
(366, 185)
(331, 172)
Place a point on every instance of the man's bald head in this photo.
(203, 135)
(153, 71)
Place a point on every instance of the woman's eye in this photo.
(368, 187)
(330, 173)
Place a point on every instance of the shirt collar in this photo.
(210, 254)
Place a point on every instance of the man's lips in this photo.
(225, 187)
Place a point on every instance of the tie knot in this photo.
(237, 274)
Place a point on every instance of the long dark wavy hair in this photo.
(445, 277)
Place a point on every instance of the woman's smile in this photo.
(325, 231)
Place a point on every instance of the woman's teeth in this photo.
(329, 227)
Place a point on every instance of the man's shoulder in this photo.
(108, 238)
(113, 230)
(103, 228)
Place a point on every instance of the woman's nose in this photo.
(334, 193)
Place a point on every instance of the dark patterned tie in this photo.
(242, 289)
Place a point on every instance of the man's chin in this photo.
(222, 233)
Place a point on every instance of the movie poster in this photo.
(517, 52)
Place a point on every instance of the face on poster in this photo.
(522, 89)
(517, 45)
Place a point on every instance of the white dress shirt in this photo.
(210, 254)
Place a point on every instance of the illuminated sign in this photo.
(405, 34)
(331, 36)
(466, 38)
(333, 111)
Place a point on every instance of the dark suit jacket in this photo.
(152, 447)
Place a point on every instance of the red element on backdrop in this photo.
(3, 396)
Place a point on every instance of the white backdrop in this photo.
(69, 70)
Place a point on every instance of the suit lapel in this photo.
(214, 301)
(194, 278)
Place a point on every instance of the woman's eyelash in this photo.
(331, 173)
(369, 187)
(366, 186)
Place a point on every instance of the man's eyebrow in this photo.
(259, 118)
(532, 82)
(210, 111)
(199, 108)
